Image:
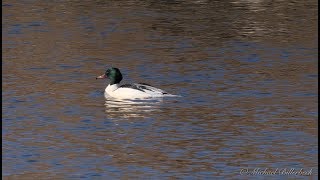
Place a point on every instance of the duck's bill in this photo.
(103, 76)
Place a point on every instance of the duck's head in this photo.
(113, 74)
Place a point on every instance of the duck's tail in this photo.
(171, 95)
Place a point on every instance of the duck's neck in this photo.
(112, 87)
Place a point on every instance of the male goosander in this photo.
(129, 91)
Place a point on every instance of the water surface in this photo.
(246, 71)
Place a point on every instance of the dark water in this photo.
(246, 71)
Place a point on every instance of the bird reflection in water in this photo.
(119, 108)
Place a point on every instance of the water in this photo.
(246, 71)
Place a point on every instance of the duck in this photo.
(129, 91)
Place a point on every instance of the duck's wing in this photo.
(148, 87)
(131, 86)
(144, 88)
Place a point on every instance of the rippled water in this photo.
(246, 71)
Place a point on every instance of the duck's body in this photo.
(129, 91)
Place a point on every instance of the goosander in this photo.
(129, 91)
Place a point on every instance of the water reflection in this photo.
(122, 108)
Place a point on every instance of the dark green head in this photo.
(113, 74)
